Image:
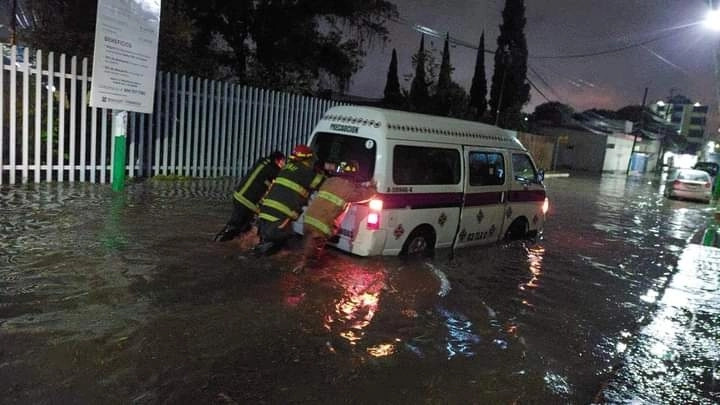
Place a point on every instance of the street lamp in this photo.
(712, 20)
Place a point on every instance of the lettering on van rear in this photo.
(344, 128)
(399, 189)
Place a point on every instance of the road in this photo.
(109, 298)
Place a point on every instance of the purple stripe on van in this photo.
(420, 200)
(475, 199)
(526, 195)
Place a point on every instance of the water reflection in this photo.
(355, 309)
(535, 258)
(460, 339)
(677, 353)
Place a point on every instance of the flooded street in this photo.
(124, 298)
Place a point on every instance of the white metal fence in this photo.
(199, 127)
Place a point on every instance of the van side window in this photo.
(486, 169)
(523, 168)
(421, 165)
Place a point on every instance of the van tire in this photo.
(420, 243)
(518, 230)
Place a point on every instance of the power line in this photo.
(437, 34)
(606, 51)
(542, 79)
(537, 89)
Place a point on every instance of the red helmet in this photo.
(302, 152)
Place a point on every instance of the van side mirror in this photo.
(540, 175)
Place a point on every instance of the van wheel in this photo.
(420, 243)
(517, 230)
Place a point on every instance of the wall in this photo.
(577, 149)
(617, 153)
(541, 148)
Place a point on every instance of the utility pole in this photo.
(640, 127)
(506, 59)
(13, 23)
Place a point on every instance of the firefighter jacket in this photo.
(332, 200)
(256, 183)
(290, 191)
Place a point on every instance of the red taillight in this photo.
(676, 183)
(546, 206)
(708, 185)
(373, 219)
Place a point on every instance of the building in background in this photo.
(688, 118)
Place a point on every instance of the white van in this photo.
(442, 182)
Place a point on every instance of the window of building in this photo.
(523, 168)
(697, 120)
(421, 165)
(695, 133)
(486, 169)
(675, 119)
(701, 109)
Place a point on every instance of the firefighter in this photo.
(285, 199)
(326, 211)
(248, 193)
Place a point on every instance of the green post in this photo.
(119, 126)
(711, 237)
(716, 189)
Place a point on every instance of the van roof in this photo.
(420, 127)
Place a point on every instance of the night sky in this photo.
(681, 61)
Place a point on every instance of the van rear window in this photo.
(336, 148)
(420, 165)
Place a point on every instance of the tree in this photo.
(553, 113)
(603, 112)
(68, 26)
(458, 100)
(292, 45)
(510, 90)
(419, 98)
(442, 91)
(393, 96)
(478, 89)
(276, 44)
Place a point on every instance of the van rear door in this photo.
(484, 207)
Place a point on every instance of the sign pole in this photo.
(124, 63)
(119, 127)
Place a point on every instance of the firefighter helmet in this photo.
(302, 152)
(348, 168)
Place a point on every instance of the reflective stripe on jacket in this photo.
(290, 191)
(327, 208)
(256, 183)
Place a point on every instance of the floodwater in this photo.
(123, 298)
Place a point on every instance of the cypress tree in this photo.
(510, 90)
(442, 95)
(478, 90)
(419, 98)
(393, 97)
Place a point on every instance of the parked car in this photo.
(689, 184)
(711, 167)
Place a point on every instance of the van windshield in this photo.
(336, 148)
